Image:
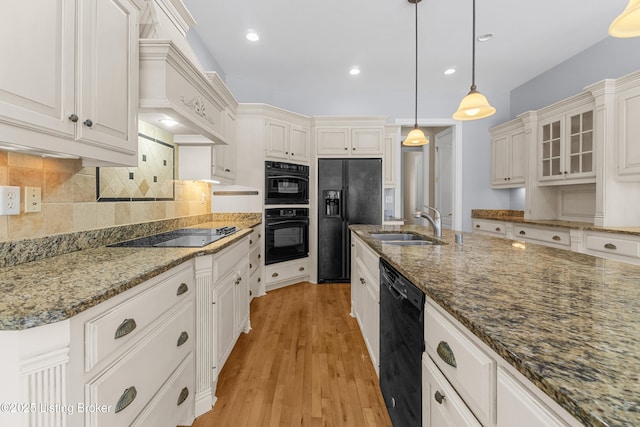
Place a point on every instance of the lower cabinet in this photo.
(365, 296)
(286, 273)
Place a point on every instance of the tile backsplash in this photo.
(69, 197)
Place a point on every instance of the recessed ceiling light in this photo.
(449, 71)
(354, 71)
(485, 37)
(253, 36)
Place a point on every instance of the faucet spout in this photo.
(433, 217)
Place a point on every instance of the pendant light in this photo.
(627, 24)
(416, 136)
(475, 105)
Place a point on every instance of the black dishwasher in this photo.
(401, 346)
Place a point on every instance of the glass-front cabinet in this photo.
(567, 148)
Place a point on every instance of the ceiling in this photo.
(313, 44)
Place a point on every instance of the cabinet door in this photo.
(36, 79)
(332, 140)
(518, 160)
(225, 328)
(551, 167)
(579, 147)
(500, 156)
(388, 161)
(372, 319)
(108, 80)
(277, 139)
(358, 295)
(299, 143)
(242, 299)
(627, 111)
(366, 141)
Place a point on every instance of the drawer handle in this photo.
(556, 238)
(439, 397)
(477, 225)
(184, 394)
(522, 232)
(128, 396)
(275, 275)
(183, 338)
(497, 228)
(610, 246)
(259, 256)
(183, 288)
(301, 269)
(126, 327)
(259, 280)
(446, 354)
(250, 242)
(250, 265)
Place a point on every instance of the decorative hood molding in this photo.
(172, 82)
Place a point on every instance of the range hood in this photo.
(173, 88)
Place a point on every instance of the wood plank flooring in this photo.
(304, 363)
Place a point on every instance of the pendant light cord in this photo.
(416, 97)
(473, 49)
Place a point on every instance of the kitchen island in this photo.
(566, 321)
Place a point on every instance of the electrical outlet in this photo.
(203, 198)
(32, 199)
(388, 199)
(9, 200)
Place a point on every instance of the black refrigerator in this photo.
(350, 192)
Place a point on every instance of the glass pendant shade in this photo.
(627, 24)
(474, 106)
(415, 138)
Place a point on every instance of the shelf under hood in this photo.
(171, 87)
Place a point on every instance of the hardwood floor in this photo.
(304, 363)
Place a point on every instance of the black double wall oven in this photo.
(286, 226)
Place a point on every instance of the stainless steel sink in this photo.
(404, 239)
(398, 236)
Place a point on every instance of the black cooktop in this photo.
(181, 238)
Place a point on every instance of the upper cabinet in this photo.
(508, 155)
(566, 147)
(72, 87)
(627, 137)
(349, 136)
(391, 142)
(286, 141)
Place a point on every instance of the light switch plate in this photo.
(9, 200)
(32, 199)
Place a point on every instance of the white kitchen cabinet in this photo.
(224, 156)
(286, 273)
(286, 141)
(492, 227)
(508, 155)
(618, 246)
(350, 141)
(72, 86)
(517, 406)
(627, 111)
(391, 141)
(256, 263)
(365, 295)
(441, 405)
(566, 148)
(549, 236)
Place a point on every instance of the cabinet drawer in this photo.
(123, 324)
(554, 236)
(287, 270)
(441, 404)
(255, 238)
(470, 370)
(495, 228)
(227, 259)
(174, 404)
(127, 387)
(609, 244)
(255, 256)
(369, 258)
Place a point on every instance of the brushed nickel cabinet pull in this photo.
(73, 118)
(183, 288)
(184, 394)
(250, 242)
(477, 225)
(250, 265)
(259, 256)
(610, 246)
(126, 327)
(127, 397)
(183, 338)
(275, 275)
(522, 232)
(439, 397)
(301, 269)
(556, 238)
(259, 280)
(446, 354)
(497, 228)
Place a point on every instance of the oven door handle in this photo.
(288, 176)
(304, 221)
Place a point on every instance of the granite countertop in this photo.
(57, 288)
(567, 321)
(518, 217)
